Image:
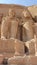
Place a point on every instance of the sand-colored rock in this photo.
(9, 26)
(28, 25)
(33, 11)
(18, 28)
(13, 46)
(33, 60)
(31, 47)
(35, 29)
(7, 46)
(29, 30)
(1, 58)
(19, 48)
(22, 60)
(27, 60)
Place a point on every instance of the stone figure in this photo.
(28, 32)
(20, 28)
(9, 25)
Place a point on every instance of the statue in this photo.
(27, 26)
(9, 25)
(13, 27)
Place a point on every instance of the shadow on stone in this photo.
(5, 61)
(26, 50)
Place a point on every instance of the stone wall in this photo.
(23, 49)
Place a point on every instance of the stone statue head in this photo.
(26, 14)
(11, 12)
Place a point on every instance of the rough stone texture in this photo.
(31, 46)
(1, 58)
(33, 60)
(35, 29)
(33, 11)
(36, 47)
(19, 13)
(27, 60)
(19, 48)
(9, 26)
(11, 46)
(29, 30)
(20, 30)
(6, 46)
(16, 60)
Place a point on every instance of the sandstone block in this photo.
(27, 60)
(12, 46)
(6, 46)
(31, 47)
(19, 47)
(19, 60)
(33, 60)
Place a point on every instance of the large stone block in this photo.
(6, 46)
(25, 60)
(11, 46)
(19, 47)
(31, 46)
(33, 60)
(19, 60)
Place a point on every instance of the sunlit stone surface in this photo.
(18, 34)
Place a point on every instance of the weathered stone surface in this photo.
(8, 54)
(33, 11)
(19, 48)
(27, 60)
(29, 30)
(18, 60)
(20, 30)
(12, 46)
(22, 60)
(31, 47)
(6, 46)
(35, 29)
(1, 58)
(33, 60)
(9, 26)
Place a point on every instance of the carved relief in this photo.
(28, 26)
(9, 26)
